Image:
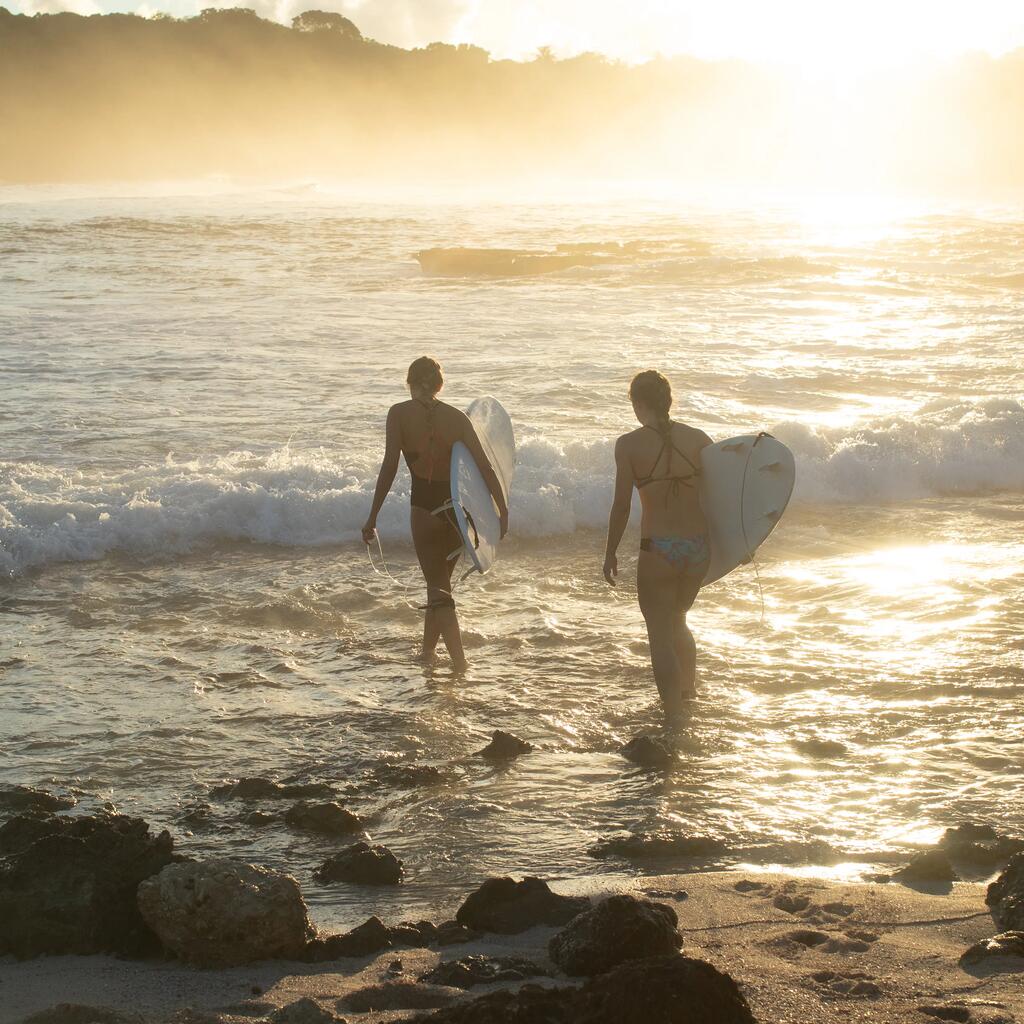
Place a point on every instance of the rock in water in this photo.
(1006, 895)
(70, 887)
(1003, 944)
(931, 866)
(222, 913)
(362, 863)
(504, 746)
(619, 928)
(819, 748)
(647, 752)
(508, 907)
(22, 799)
(259, 788)
(329, 818)
(668, 989)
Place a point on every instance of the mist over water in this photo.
(193, 383)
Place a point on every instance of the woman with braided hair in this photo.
(661, 458)
(424, 429)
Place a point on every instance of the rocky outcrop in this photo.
(329, 818)
(508, 907)
(362, 864)
(668, 989)
(651, 845)
(648, 752)
(25, 800)
(504, 746)
(619, 928)
(259, 788)
(372, 936)
(1006, 944)
(222, 913)
(482, 970)
(1006, 895)
(930, 866)
(451, 933)
(979, 845)
(68, 885)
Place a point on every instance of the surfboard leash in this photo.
(751, 555)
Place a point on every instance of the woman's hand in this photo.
(611, 568)
(369, 531)
(503, 521)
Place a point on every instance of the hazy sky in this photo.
(826, 36)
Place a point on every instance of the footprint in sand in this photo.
(844, 984)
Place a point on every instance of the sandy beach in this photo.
(890, 953)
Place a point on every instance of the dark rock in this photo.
(648, 752)
(668, 989)
(508, 907)
(1006, 895)
(24, 800)
(370, 937)
(258, 819)
(76, 1013)
(818, 748)
(397, 995)
(408, 776)
(418, 934)
(396, 967)
(258, 788)
(1009, 943)
(482, 970)
(504, 746)
(930, 866)
(531, 1004)
(329, 818)
(20, 832)
(619, 928)
(222, 913)
(650, 845)
(304, 1011)
(362, 864)
(195, 816)
(450, 933)
(72, 889)
(968, 833)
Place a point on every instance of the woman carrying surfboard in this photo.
(661, 458)
(424, 429)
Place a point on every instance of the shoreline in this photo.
(888, 950)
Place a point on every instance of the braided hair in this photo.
(653, 390)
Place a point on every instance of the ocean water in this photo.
(193, 384)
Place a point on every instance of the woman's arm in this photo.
(386, 476)
(618, 517)
(472, 442)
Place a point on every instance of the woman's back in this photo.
(428, 431)
(666, 469)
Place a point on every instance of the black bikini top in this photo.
(676, 479)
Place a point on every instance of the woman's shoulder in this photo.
(691, 435)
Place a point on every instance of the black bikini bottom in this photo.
(429, 495)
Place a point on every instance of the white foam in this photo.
(315, 497)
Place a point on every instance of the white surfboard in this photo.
(474, 507)
(746, 483)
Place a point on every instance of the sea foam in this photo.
(317, 496)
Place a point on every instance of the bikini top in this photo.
(411, 457)
(676, 479)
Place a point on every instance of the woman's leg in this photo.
(682, 638)
(656, 587)
(435, 539)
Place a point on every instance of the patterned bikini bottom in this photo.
(690, 555)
